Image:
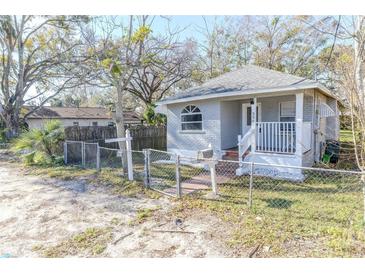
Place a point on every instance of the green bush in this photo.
(41, 146)
(152, 118)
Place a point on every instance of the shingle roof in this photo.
(245, 79)
(78, 113)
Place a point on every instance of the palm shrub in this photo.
(41, 146)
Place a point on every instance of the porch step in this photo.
(232, 155)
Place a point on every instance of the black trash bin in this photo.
(332, 150)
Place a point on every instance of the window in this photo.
(191, 118)
(111, 124)
(76, 124)
(287, 111)
(95, 124)
(249, 115)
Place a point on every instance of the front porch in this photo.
(273, 130)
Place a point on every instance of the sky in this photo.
(189, 23)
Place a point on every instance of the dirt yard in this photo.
(42, 217)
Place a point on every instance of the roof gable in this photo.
(70, 113)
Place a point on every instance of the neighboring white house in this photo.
(78, 116)
(264, 115)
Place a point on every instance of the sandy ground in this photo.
(36, 211)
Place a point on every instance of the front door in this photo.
(246, 117)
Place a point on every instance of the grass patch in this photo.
(121, 186)
(143, 215)
(90, 243)
(321, 217)
(108, 177)
(66, 173)
(346, 136)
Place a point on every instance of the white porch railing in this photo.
(275, 137)
(244, 143)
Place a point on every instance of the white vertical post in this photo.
(213, 177)
(178, 182)
(253, 124)
(299, 124)
(129, 154)
(149, 166)
(65, 152)
(250, 185)
(239, 150)
(146, 166)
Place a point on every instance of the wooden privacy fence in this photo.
(143, 136)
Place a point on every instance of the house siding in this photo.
(325, 127)
(308, 107)
(187, 143)
(332, 130)
(39, 123)
(270, 107)
(230, 123)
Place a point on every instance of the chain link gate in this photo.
(162, 169)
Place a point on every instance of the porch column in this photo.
(299, 123)
(253, 124)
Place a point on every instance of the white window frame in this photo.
(191, 122)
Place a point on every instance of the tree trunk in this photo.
(119, 121)
(359, 71)
(359, 80)
(11, 119)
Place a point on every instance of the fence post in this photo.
(146, 168)
(239, 150)
(97, 157)
(178, 183)
(250, 186)
(65, 152)
(83, 154)
(129, 155)
(213, 177)
(149, 166)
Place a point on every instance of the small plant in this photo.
(142, 215)
(91, 242)
(40, 146)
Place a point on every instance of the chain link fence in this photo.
(316, 193)
(73, 153)
(297, 207)
(162, 171)
(110, 158)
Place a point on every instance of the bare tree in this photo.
(167, 62)
(284, 43)
(39, 57)
(117, 51)
(345, 64)
(356, 96)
